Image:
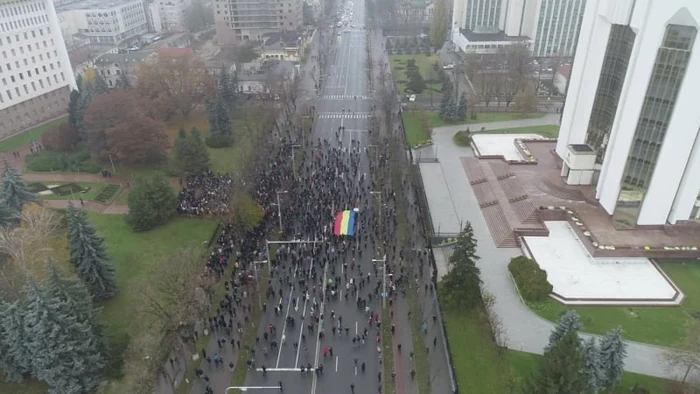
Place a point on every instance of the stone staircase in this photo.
(501, 233)
(557, 191)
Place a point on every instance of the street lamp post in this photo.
(383, 260)
(279, 209)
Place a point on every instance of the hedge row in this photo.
(530, 278)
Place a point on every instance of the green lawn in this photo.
(398, 69)
(549, 131)
(664, 326)
(416, 132)
(20, 140)
(481, 368)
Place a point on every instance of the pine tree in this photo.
(223, 118)
(211, 107)
(67, 347)
(461, 287)
(89, 257)
(462, 107)
(15, 359)
(591, 365)
(190, 155)
(568, 322)
(152, 202)
(612, 359)
(560, 369)
(99, 86)
(14, 191)
(452, 111)
(74, 108)
(83, 104)
(225, 88)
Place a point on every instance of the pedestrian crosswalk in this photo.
(344, 115)
(344, 97)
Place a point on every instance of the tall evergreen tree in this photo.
(223, 118)
(99, 85)
(212, 107)
(67, 347)
(568, 322)
(152, 202)
(452, 111)
(462, 107)
(15, 359)
(612, 358)
(560, 369)
(83, 104)
(461, 286)
(89, 257)
(14, 191)
(74, 108)
(591, 365)
(190, 155)
(226, 92)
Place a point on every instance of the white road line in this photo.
(301, 332)
(336, 363)
(355, 370)
(279, 370)
(284, 324)
(355, 327)
(318, 331)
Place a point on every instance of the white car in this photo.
(448, 67)
(412, 98)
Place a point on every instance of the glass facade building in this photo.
(558, 25)
(612, 77)
(667, 76)
(483, 15)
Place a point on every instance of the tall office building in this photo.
(632, 101)
(172, 14)
(240, 20)
(557, 28)
(550, 27)
(35, 73)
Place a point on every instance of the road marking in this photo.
(336, 363)
(355, 327)
(318, 331)
(355, 370)
(284, 327)
(301, 332)
(280, 370)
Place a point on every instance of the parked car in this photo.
(448, 66)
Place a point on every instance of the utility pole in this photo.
(279, 209)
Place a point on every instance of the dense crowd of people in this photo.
(205, 194)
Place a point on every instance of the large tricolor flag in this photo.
(345, 223)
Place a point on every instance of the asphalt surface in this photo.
(344, 100)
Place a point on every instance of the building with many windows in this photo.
(550, 27)
(172, 14)
(240, 20)
(632, 103)
(35, 73)
(104, 21)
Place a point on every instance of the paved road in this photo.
(525, 330)
(343, 101)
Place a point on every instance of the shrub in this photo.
(461, 138)
(66, 189)
(107, 193)
(530, 278)
(36, 187)
(46, 161)
(218, 141)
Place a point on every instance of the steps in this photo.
(500, 230)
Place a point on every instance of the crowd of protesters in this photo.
(205, 194)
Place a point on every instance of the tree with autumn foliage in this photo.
(172, 84)
(62, 138)
(117, 125)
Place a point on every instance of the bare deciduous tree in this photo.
(497, 328)
(685, 361)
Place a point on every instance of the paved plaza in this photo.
(579, 279)
(501, 144)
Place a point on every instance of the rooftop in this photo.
(92, 5)
(484, 37)
(275, 70)
(581, 148)
(123, 58)
(281, 40)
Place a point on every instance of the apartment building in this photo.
(35, 73)
(241, 20)
(104, 21)
(172, 14)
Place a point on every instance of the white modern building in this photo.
(172, 14)
(35, 73)
(549, 26)
(632, 100)
(105, 21)
(243, 20)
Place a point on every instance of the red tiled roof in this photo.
(174, 51)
